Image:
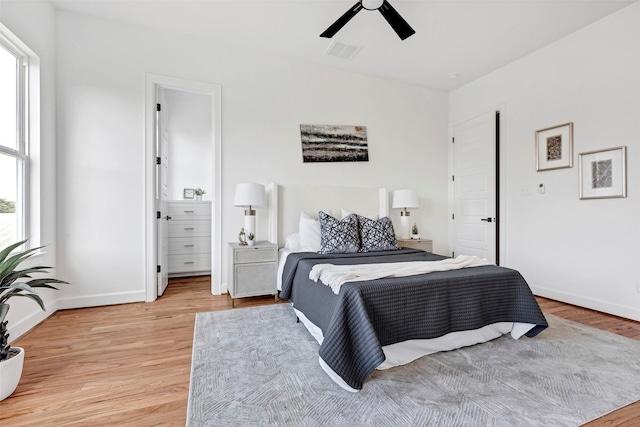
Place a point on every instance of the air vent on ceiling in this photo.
(342, 50)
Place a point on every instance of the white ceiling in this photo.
(470, 38)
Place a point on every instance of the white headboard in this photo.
(291, 199)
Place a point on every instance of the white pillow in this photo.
(346, 213)
(292, 243)
(309, 229)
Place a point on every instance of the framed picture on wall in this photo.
(554, 147)
(603, 173)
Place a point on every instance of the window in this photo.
(14, 160)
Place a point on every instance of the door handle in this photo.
(486, 219)
(168, 217)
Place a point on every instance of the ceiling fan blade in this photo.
(342, 21)
(397, 22)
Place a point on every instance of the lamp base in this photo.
(250, 224)
(404, 226)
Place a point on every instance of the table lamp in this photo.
(249, 195)
(405, 199)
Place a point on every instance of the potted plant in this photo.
(199, 192)
(414, 232)
(251, 239)
(13, 285)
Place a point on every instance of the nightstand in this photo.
(252, 270)
(423, 244)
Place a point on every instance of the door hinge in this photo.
(453, 216)
(453, 140)
(158, 107)
(158, 269)
(158, 161)
(453, 177)
(158, 215)
(453, 254)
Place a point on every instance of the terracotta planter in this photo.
(10, 372)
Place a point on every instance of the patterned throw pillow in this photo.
(377, 235)
(338, 237)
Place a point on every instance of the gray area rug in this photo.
(258, 367)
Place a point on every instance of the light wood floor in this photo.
(129, 365)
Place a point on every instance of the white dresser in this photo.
(189, 238)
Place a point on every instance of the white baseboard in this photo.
(603, 306)
(101, 299)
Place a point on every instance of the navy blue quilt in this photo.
(367, 315)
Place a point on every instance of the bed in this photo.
(390, 321)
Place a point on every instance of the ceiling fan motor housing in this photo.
(371, 4)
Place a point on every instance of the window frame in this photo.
(10, 42)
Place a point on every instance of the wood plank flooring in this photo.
(129, 365)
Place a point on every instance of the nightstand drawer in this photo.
(254, 254)
(422, 244)
(256, 279)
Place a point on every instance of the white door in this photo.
(474, 187)
(162, 193)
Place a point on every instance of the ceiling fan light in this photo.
(371, 4)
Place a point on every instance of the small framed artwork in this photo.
(554, 147)
(188, 193)
(603, 173)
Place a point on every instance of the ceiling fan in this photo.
(397, 22)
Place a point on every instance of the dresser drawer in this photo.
(187, 263)
(254, 254)
(189, 228)
(189, 245)
(190, 210)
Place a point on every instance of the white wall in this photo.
(585, 252)
(101, 92)
(34, 24)
(190, 149)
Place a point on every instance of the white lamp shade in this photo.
(248, 194)
(405, 199)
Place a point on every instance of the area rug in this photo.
(258, 367)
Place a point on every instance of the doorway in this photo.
(475, 187)
(155, 215)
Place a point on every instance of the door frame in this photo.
(501, 172)
(153, 82)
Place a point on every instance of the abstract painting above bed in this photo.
(365, 316)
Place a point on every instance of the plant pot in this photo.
(251, 242)
(415, 237)
(198, 197)
(11, 371)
